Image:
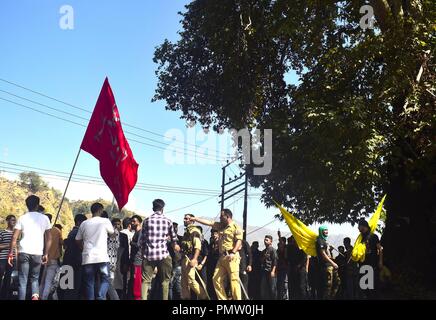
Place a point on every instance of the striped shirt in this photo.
(155, 231)
(5, 238)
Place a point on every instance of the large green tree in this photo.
(359, 123)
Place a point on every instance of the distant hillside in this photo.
(13, 194)
(12, 201)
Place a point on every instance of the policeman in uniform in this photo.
(191, 247)
(230, 241)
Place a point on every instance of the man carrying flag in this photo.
(105, 140)
(328, 275)
(373, 256)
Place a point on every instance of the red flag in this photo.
(105, 140)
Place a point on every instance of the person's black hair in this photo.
(41, 208)
(126, 222)
(347, 240)
(190, 214)
(9, 217)
(79, 218)
(213, 231)
(269, 237)
(158, 205)
(104, 214)
(341, 247)
(32, 202)
(49, 216)
(228, 213)
(363, 222)
(59, 226)
(115, 220)
(139, 218)
(97, 206)
(175, 224)
(200, 228)
(283, 239)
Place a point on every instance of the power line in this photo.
(42, 112)
(226, 155)
(87, 120)
(130, 139)
(261, 227)
(98, 180)
(100, 183)
(193, 204)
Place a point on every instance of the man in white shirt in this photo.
(92, 238)
(35, 228)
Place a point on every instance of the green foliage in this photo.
(32, 181)
(84, 207)
(14, 193)
(356, 125)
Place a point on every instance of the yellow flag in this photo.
(359, 249)
(305, 238)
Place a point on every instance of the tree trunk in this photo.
(409, 238)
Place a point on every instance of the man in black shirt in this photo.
(373, 256)
(351, 276)
(298, 268)
(254, 275)
(341, 261)
(245, 265)
(282, 269)
(268, 270)
(73, 258)
(175, 287)
(328, 276)
(212, 259)
(5, 268)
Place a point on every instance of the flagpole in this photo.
(112, 207)
(68, 183)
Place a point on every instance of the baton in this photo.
(201, 279)
(243, 289)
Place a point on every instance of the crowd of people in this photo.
(140, 259)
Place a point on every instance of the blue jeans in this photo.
(89, 273)
(29, 266)
(176, 284)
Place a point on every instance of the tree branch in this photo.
(381, 13)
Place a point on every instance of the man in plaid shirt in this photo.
(155, 231)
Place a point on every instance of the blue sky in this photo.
(110, 38)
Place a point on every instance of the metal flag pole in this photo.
(68, 183)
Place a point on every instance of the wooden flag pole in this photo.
(68, 183)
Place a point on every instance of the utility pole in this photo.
(244, 188)
(244, 215)
(222, 187)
